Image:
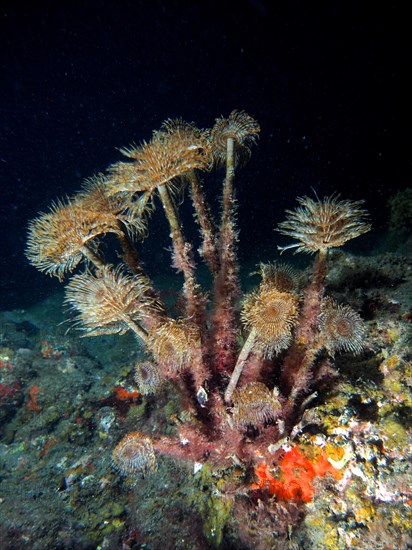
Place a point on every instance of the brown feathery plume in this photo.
(176, 347)
(172, 343)
(134, 456)
(148, 378)
(170, 155)
(60, 239)
(94, 198)
(111, 303)
(278, 275)
(241, 128)
(188, 133)
(323, 224)
(341, 328)
(270, 315)
(254, 405)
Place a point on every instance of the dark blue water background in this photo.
(324, 79)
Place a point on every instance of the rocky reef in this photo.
(277, 418)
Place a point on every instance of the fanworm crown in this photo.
(174, 150)
(280, 276)
(148, 377)
(341, 327)
(94, 198)
(322, 224)
(109, 303)
(61, 238)
(272, 315)
(172, 344)
(134, 456)
(240, 127)
(254, 404)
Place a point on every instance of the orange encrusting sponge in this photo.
(297, 473)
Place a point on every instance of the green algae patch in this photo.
(214, 506)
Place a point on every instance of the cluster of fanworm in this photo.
(246, 369)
